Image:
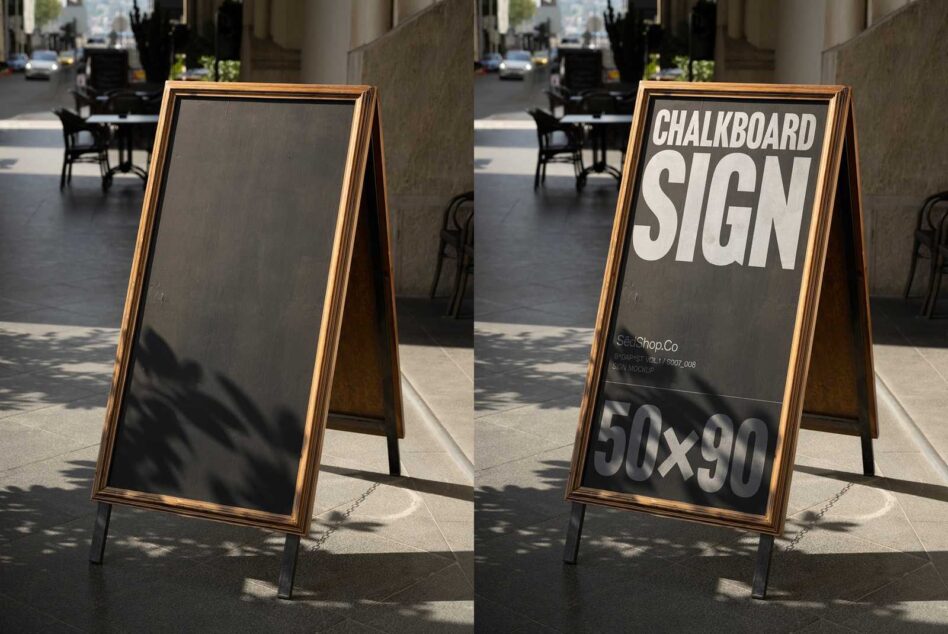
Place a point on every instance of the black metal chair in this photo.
(558, 143)
(598, 103)
(465, 267)
(451, 240)
(85, 143)
(556, 100)
(123, 101)
(926, 231)
(939, 266)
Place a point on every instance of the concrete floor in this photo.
(384, 554)
(875, 560)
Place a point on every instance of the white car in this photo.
(516, 64)
(42, 64)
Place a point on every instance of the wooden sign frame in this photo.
(829, 384)
(359, 307)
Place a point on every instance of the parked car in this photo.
(491, 62)
(43, 63)
(668, 74)
(516, 64)
(67, 58)
(540, 58)
(17, 63)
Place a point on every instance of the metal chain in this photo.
(317, 544)
(806, 529)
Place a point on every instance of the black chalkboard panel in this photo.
(230, 315)
(108, 68)
(719, 239)
(236, 301)
(582, 68)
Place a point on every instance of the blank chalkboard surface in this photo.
(236, 301)
(696, 381)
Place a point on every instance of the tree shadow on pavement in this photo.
(162, 570)
(670, 575)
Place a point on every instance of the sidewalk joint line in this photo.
(430, 420)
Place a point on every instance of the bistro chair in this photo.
(939, 265)
(599, 103)
(83, 99)
(125, 102)
(465, 267)
(557, 99)
(452, 238)
(558, 143)
(925, 236)
(85, 143)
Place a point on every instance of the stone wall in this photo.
(897, 69)
(423, 71)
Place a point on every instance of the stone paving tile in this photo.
(82, 419)
(23, 445)
(19, 617)
(497, 445)
(46, 493)
(438, 603)
(491, 616)
(917, 602)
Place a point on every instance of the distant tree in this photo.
(628, 41)
(153, 39)
(521, 10)
(46, 11)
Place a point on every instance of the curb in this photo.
(908, 425)
(415, 400)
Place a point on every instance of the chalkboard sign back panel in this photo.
(706, 323)
(366, 395)
(839, 392)
(235, 306)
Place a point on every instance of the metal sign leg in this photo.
(574, 533)
(288, 566)
(100, 533)
(765, 549)
(868, 461)
(394, 461)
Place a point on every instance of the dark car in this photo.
(17, 62)
(491, 62)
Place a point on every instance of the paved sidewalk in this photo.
(871, 553)
(385, 554)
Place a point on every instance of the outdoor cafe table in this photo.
(126, 125)
(600, 125)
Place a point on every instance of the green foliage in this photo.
(521, 10)
(653, 65)
(704, 70)
(46, 11)
(229, 71)
(178, 67)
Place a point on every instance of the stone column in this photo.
(326, 42)
(370, 19)
(735, 19)
(845, 19)
(404, 9)
(878, 9)
(800, 38)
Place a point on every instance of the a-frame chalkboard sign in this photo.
(734, 308)
(260, 308)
